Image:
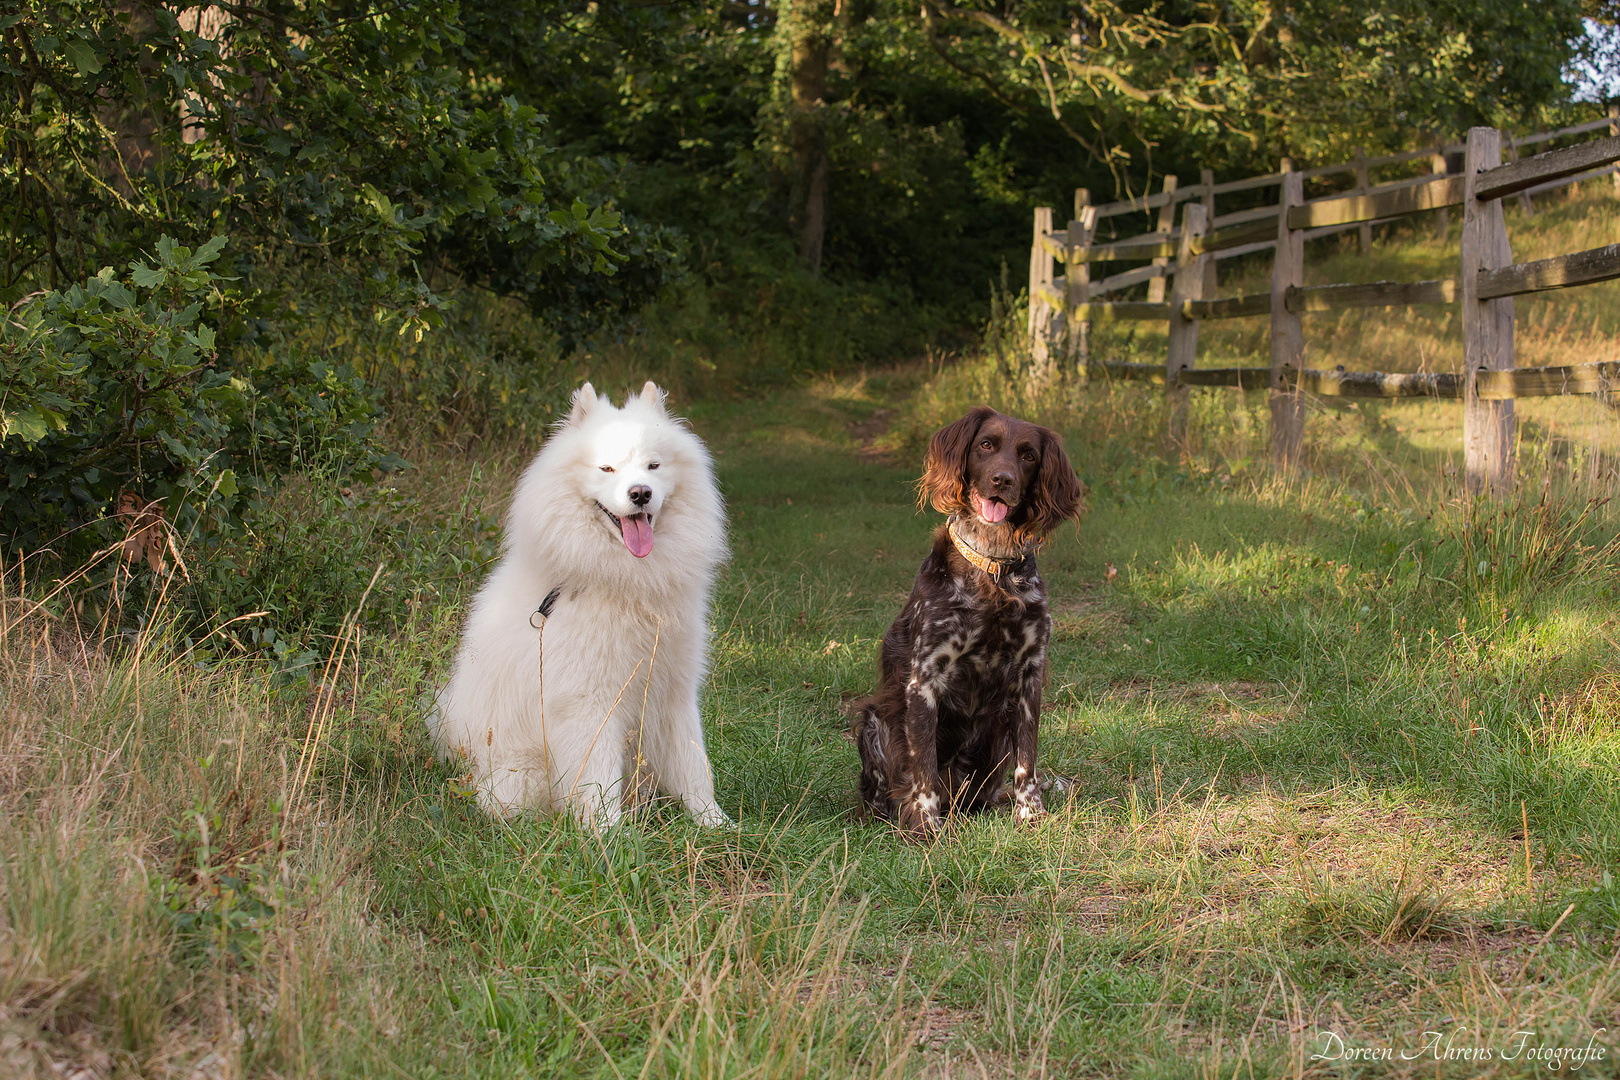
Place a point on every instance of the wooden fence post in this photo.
(1287, 331)
(1487, 326)
(1167, 222)
(1040, 273)
(1077, 283)
(1437, 167)
(1183, 350)
(1614, 129)
(1362, 184)
(1206, 179)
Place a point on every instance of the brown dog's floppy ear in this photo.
(944, 479)
(1057, 494)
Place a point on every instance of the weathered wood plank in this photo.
(1372, 294)
(1167, 225)
(1236, 236)
(1126, 279)
(1134, 206)
(1516, 176)
(1249, 183)
(1489, 425)
(1603, 378)
(1442, 219)
(1148, 202)
(1327, 170)
(1131, 250)
(1077, 283)
(1148, 373)
(1396, 159)
(1376, 384)
(1251, 378)
(1232, 307)
(1363, 187)
(1286, 406)
(1559, 272)
(1040, 281)
(1050, 293)
(1425, 193)
(1566, 181)
(1334, 230)
(1182, 352)
(1244, 378)
(1243, 249)
(1241, 217)
(1614, 129)
(1123, 311)
(1574, 129)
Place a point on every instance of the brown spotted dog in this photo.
(958, 703)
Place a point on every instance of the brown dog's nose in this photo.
(1001, 480)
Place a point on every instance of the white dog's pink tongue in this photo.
(638, 534)
(992, 510)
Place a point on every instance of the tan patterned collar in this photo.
(993, 565)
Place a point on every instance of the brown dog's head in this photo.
(1000, 469)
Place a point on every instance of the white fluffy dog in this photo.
(615, 531)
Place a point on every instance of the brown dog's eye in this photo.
(987, 445)
(607, 468)
(1029, 455)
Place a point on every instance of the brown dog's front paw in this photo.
(1027, 804)
(920, 819)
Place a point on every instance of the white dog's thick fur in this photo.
(620, 512)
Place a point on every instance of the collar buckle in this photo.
(990, 564)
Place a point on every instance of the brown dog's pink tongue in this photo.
(638, 534)
(992, 510)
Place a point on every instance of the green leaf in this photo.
(83, 56)
(27, 424)
(145, 277)
(210, 251)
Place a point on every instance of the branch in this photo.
(1075, 68)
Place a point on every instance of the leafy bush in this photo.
(118, 410)
(326, 133)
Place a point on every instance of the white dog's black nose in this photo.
(641, 495)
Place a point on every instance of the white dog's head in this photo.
(628, 462)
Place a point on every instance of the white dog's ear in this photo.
(584, 402)
(652, 395)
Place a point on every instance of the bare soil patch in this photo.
(865, 433)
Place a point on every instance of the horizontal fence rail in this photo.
(1599, 378)
(1177, 195)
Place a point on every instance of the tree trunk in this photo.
(807, 134)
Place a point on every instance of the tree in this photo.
(346, 134)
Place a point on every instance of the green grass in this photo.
(1306, 728)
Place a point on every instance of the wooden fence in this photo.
(1063, 309)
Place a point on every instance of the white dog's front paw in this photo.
(712, 817)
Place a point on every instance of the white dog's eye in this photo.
(652, 466)
(607, 468)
